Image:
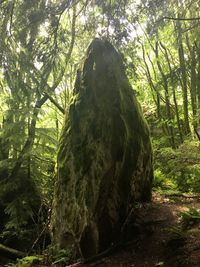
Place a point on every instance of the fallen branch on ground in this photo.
(102, 255)
(181, 195)
(12, 251)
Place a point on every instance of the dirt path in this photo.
(158, 237)
(162, 239)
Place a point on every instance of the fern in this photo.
(58, 256)
(190, 217)
(25, 262)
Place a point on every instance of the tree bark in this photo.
(173, 92)
(198, 86)
(167, 99)
(152, 86)
(184, 78)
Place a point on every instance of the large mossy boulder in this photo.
(104, 163)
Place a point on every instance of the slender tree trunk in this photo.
(173, 92)
(152, 86)
(159, 114)
(29, 158)
(167, 99)
(198, 86)
(184, 78)
(158, 98)
(193, 83)
(4, 141)
(5, 145)
(193, 90)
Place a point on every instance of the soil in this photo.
(162, 238)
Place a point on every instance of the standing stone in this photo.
(104, 162)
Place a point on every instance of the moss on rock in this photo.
(104, 162)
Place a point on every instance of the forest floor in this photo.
(163, 238)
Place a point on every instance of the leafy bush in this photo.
(162, 182)
(58, 256)
(26, 261)
(178, 168)
(190, 217)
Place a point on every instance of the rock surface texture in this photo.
(104, 163)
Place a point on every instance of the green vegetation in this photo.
(190, 217)
(25, 262)
(177, 169)
(57, 256)
(42, 46)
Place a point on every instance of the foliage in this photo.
(179, 168)
(59, 257)
(176, 234)
(162, 182)
(41, 48)
(26, 261)
(33, 62)
(190, 217)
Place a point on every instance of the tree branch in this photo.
(180, 19)
(197, 134)
(40, 101)
(55, 103)
(12, 251)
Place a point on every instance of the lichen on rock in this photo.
(104, 163)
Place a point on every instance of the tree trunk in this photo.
(104, 162)
(184, 79)
(173, 92)
(167, 100)
(198, 87)
(193, 89)
(152, 86)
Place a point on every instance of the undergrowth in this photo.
(177, 169)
